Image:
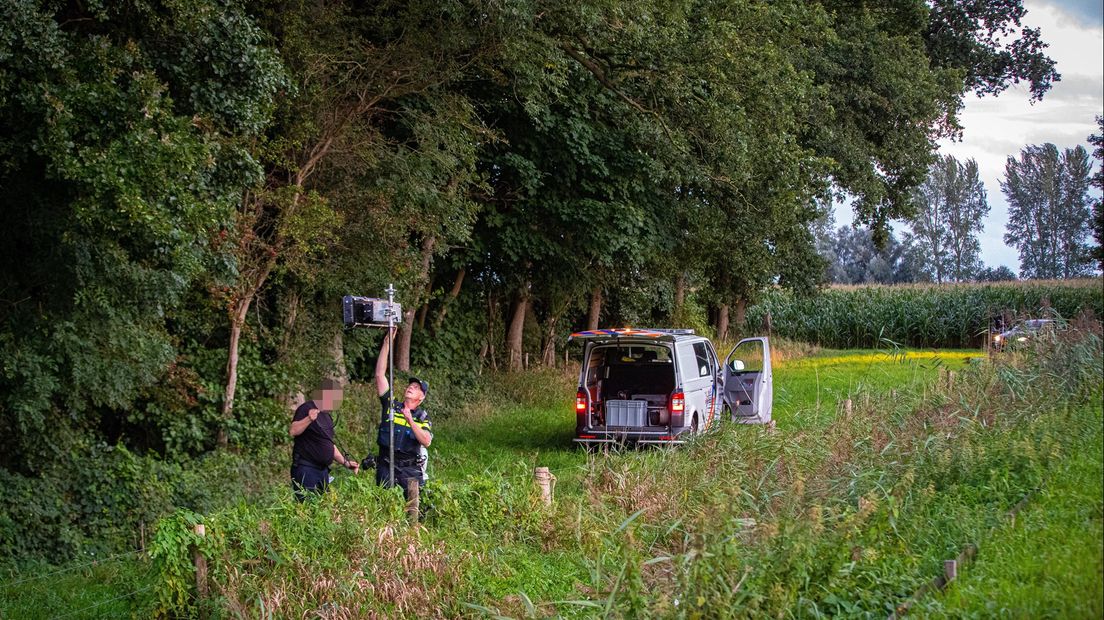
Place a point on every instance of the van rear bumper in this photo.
(664, 436)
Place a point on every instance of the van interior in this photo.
(631, 372)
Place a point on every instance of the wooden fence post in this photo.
(546, 480)
(200, 569)
(413, 505)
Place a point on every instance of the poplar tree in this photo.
(1097, 140)
(951, 207)
(1048, 215)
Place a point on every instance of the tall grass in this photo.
(846, 518)
(920, 315)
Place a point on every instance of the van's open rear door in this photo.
(749, 392)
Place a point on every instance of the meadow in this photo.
(836, 512)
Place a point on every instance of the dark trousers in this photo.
(403, 475)
(307, 479)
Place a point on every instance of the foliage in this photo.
(998, 274)
(191, 186)
(1097, 223)
(921, 315)
(981, 39)
(853, 258)
(1048, 211)
(97, 499)
(118, 172)
(951, 209)
(171, 552)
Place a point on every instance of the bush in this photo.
(101, 499)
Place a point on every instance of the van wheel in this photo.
(694, 425)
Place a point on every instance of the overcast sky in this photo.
(997, 127)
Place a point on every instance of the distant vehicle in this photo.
(1023, 331)
(657, 386)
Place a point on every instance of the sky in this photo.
(995, 128)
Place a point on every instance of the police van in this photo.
(659, 386)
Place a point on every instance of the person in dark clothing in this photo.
(313, 449)
(413, 429)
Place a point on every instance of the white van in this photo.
(655, 385)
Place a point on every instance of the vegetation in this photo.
(835, 513)
(952, 209)
(191, 185)
(1049, 211)
(921, 315)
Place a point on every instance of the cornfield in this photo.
(944, 316)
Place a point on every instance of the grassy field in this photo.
(834, 513)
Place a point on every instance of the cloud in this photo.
(1083, 13)
(1078, 87)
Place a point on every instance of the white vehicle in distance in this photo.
(656, 386)
(1024, 331)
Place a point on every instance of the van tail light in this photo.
(678, 402)
(580, 402)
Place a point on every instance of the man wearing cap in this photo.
(413, 429)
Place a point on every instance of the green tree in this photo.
(855, 259)
(1048, 211)
(997, 274)
(1097, 140)
(126, 129)
(951, 207)
(892, 79)
(371, 86)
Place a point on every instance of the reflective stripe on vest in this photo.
(400, 420)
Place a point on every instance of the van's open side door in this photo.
(748, 385)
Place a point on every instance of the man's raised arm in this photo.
(381, 364)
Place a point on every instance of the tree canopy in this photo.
(190, 185)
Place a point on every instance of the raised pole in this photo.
(391, 384)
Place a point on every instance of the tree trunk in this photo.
(422, 312)
(722, 322)
(402, 345)
(548, 355)
(452, 295)
(516, 331)
(741, 315)
(680, 295)
(337, 353)
(291, 314)
(237, 322)
(595, 308)
(406, 330)
(492, 311)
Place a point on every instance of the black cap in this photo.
(422, 384)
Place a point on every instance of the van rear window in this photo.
(631, 355)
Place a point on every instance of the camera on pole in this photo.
(370, 312)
